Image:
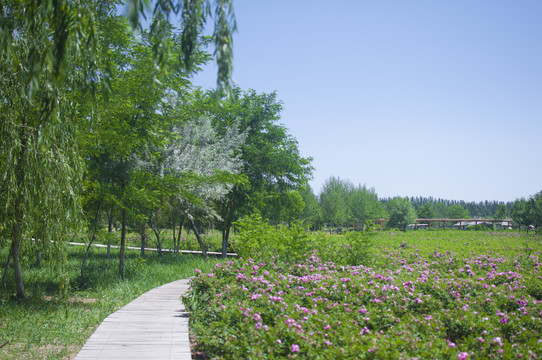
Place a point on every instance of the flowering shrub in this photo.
(427, 296)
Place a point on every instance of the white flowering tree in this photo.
(209, 165)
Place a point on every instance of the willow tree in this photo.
(47, 53)
(39, 164)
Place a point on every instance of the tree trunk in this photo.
(6, 268)
(18, 211)
(174, 237)
(15, 246)
(92, 238)
(178, 243)
(143, 235)
(109, 230)
(122, 244)
(201, 244)
(86, 255)
(157, 234)
(227, 216)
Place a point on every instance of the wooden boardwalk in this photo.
(153, 326)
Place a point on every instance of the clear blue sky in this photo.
(413, 98)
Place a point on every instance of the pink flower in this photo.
(462, 355)
(197, 271)
(295, 348)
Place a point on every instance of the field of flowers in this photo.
(425, 295)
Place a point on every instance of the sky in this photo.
(411, 98)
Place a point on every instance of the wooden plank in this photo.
(153, 326)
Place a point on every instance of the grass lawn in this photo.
(48, 326)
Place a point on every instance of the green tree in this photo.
(40, 64)
(311, 214)
(527, 212)
(501, 212)
(425, 211)
(457, 211)
(126, 125)
(534, 211)
(363, 205)
(334, 201)
(401, 213)
(272, 163)
(439, 210)
(519, 213)
(47, 52)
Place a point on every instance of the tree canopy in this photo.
(56, 59)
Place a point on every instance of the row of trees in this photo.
(340, 204)
(343, 204)
(102, 126)
(483, 209)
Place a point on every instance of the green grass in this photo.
(49, 326)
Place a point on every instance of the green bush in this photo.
(257, 237)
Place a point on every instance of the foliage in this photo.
(272, 165)
(528, 212)
(483, 209)
(334, 201)
(258, 237)
(197, 149)
(343, 204)
(425, 211)
(501, 212)
(56, 58)
(457, 211)
(41, 64)
(450, 294)
(311, 213)
(401, 213)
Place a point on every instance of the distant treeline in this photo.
(483, 209)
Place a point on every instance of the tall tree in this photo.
(401, 213)
(200, 154)
(40, 65)
(272, 163)
(519, 213)
(334, 201)
(501, 212)
(363, 205)
(425, 211)
(526, 212)
(311, 214)
(457, 211)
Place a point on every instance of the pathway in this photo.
(153, 326)
(153, 249)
